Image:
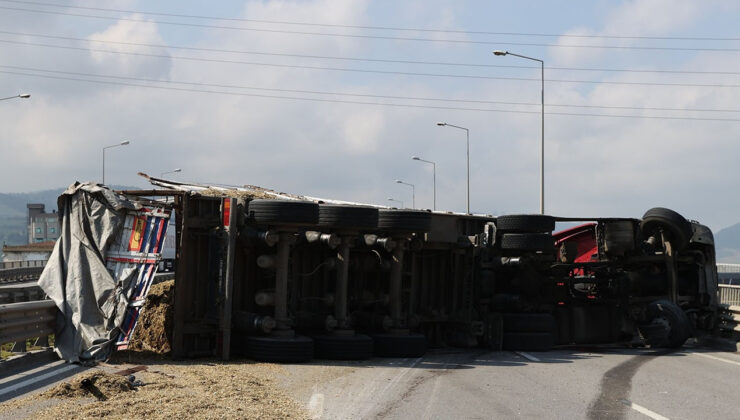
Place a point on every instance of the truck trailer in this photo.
(286, 279)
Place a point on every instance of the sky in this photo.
(332, 99)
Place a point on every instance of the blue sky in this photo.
(595, 166)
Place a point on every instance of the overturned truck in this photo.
(282, 278)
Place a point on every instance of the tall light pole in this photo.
(542, 139)
(413, 192)
(397, 201)
(434, 179)
(123, 143)
(22, 95)
(171, 172)
(467, 140)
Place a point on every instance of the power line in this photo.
(361, 59)
(381, 37)
(386, 72)
(362, 95)
(386, 28)
(359, 102)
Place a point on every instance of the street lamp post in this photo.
(22, 95)
(171, 172)
(397, 201)
(434, 179)
(413, 192)
(123, 143)
(542, 139)
(467, 140)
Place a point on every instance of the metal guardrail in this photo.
(24, 315)
(21, 293)
(728, 268)
(21, 321)
(11, 275)
(729, 295)
(22, 264)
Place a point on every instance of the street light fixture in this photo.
(413, 192)
(397, 201)
(22, 95)
(171, 172)
(467, 140)
(434, 178)
(542, 140)
(123, 143)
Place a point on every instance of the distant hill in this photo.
(14, 204)
(727, 242)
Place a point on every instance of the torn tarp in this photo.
(94, 272)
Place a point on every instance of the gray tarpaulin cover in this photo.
(92, 303)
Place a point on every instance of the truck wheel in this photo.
(534, 223)
(674, 226)
(536, 341)
(396, 345)
(526, 323)
(343, 347)
(404, 220)
(280, 349)
(528, 242)
(348, 217)
(667, 325)
(283, 212)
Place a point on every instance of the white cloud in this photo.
(362, 130)
(130, 36)
(654, 17)
(631, 18)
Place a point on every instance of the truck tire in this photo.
(280, 349)
(343, 347)
(533, 223)
(619, 237)
(667, 325)
(283, 212)
(397, 345)
(528, 242)
(674, 226)
(526, 323)
(348, 217)
(536, 341)
(404, 220)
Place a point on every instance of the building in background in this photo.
(42, 226)
(38, 251)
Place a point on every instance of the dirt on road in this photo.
(168, 390)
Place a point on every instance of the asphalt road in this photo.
(615, 383)
(603, 383)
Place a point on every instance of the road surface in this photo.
(603, 383)
(615, 383)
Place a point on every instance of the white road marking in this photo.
(528, 356)
(640, 409)
(732, 362)
(316, 406)
(39, 378)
